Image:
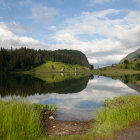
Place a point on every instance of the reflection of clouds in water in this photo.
(84, 102)
(76, 114)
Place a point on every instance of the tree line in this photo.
(26, 59)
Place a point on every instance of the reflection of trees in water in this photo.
(130, 78)
(130, 81)
(24, 85)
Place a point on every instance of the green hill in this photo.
(132, 56)
(58, 67)
(58, 72)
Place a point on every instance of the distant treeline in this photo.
(26, 59)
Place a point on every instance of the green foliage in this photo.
(19, 121)
(91, 67)
(135, 65)
(126, 62)
(25, 59)
(53, 67)
(50, 66)
(118, 114)
(46, 108)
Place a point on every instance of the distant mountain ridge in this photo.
(132, 56)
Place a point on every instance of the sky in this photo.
(104, 30)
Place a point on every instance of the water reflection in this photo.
(25, 85)
(82, 104)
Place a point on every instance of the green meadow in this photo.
(50, 66)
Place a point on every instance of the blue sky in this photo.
(105, 30)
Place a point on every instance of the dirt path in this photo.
(63, 128)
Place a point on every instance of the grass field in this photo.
(50, 66)
(113, 71)
(118, 114)
(57, 72)
(20, 121)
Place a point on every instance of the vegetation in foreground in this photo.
(22, 121)
(118, 114)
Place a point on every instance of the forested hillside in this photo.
(26, 59)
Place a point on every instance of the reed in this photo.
(20, 121)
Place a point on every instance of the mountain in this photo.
(132, 56)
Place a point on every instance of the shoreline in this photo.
(118, 114)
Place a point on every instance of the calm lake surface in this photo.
(76, 99)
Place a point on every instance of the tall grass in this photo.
(19, 121)
(118, 114)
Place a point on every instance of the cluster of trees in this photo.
(25, 58)
(132, 64)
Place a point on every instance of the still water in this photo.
(76, 98)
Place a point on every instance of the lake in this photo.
(77, 98)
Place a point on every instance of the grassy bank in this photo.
(114, 71)
(119, 113)
(20, 121)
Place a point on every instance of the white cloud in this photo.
(53, 28)
(137, 1)
(18, 28)
(44, 14)
(119, 36)
(101, 1)
(8, 39)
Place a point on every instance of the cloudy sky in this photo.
(105, 30)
